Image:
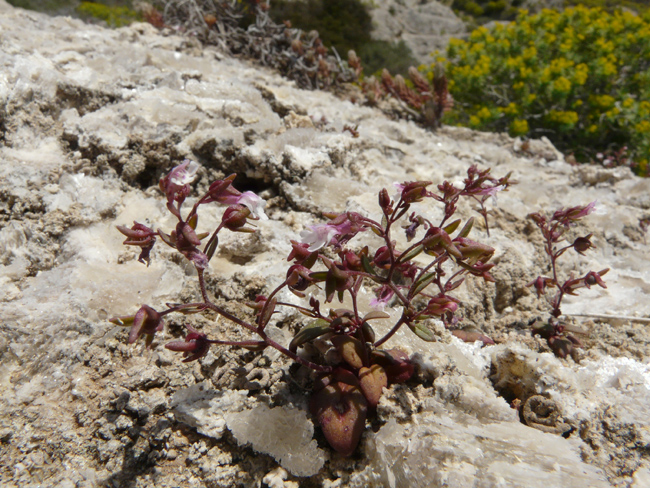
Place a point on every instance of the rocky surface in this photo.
(424, 26)
(91, 118)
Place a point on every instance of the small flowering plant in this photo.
(339, 345)
(554, 229)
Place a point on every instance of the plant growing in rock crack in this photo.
(554, 229)
(338, 344)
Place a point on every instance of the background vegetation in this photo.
(580, 77)
(345, 25)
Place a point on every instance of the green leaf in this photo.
(186, 309)
(194, 220)
(123, 321)
(464, 232)
(351, 350)
(422, 331)
(372, 381)
(368, 333)
(167, 239)
(451, 227)
(309, 332)
(411, 254)
(318, 275)
(422, 283)
(376, 314)
(211, 247)
(267, 312)
(365, 262)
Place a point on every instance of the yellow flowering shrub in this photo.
(580, 77)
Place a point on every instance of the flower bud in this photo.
(437, 241)
(540, 283)
(441, 305)
(146, 321)
(382, 257)
(582, 244)
(194, 347)
(592, 278)
(142, 236)
(473, 251)
(235, 217)
(298, 277)
(384, 199)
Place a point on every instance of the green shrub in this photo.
(114, 16)
(52, 7)
(580, 77)
(396, 57)
(480, 11)
(343, 24)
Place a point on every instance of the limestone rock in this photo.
(91, 119)
(423, 26)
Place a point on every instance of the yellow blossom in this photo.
(643, 126)
(562, 85)
(518, 127)
(484, 113)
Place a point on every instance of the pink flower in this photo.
(384, 295)
(318, 236)
(254, 203)
(185, 173)
(570, 215)
(343, 227)
(492, 192)
(176, 185)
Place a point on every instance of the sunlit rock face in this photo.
(91, 118)
(423, 26)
